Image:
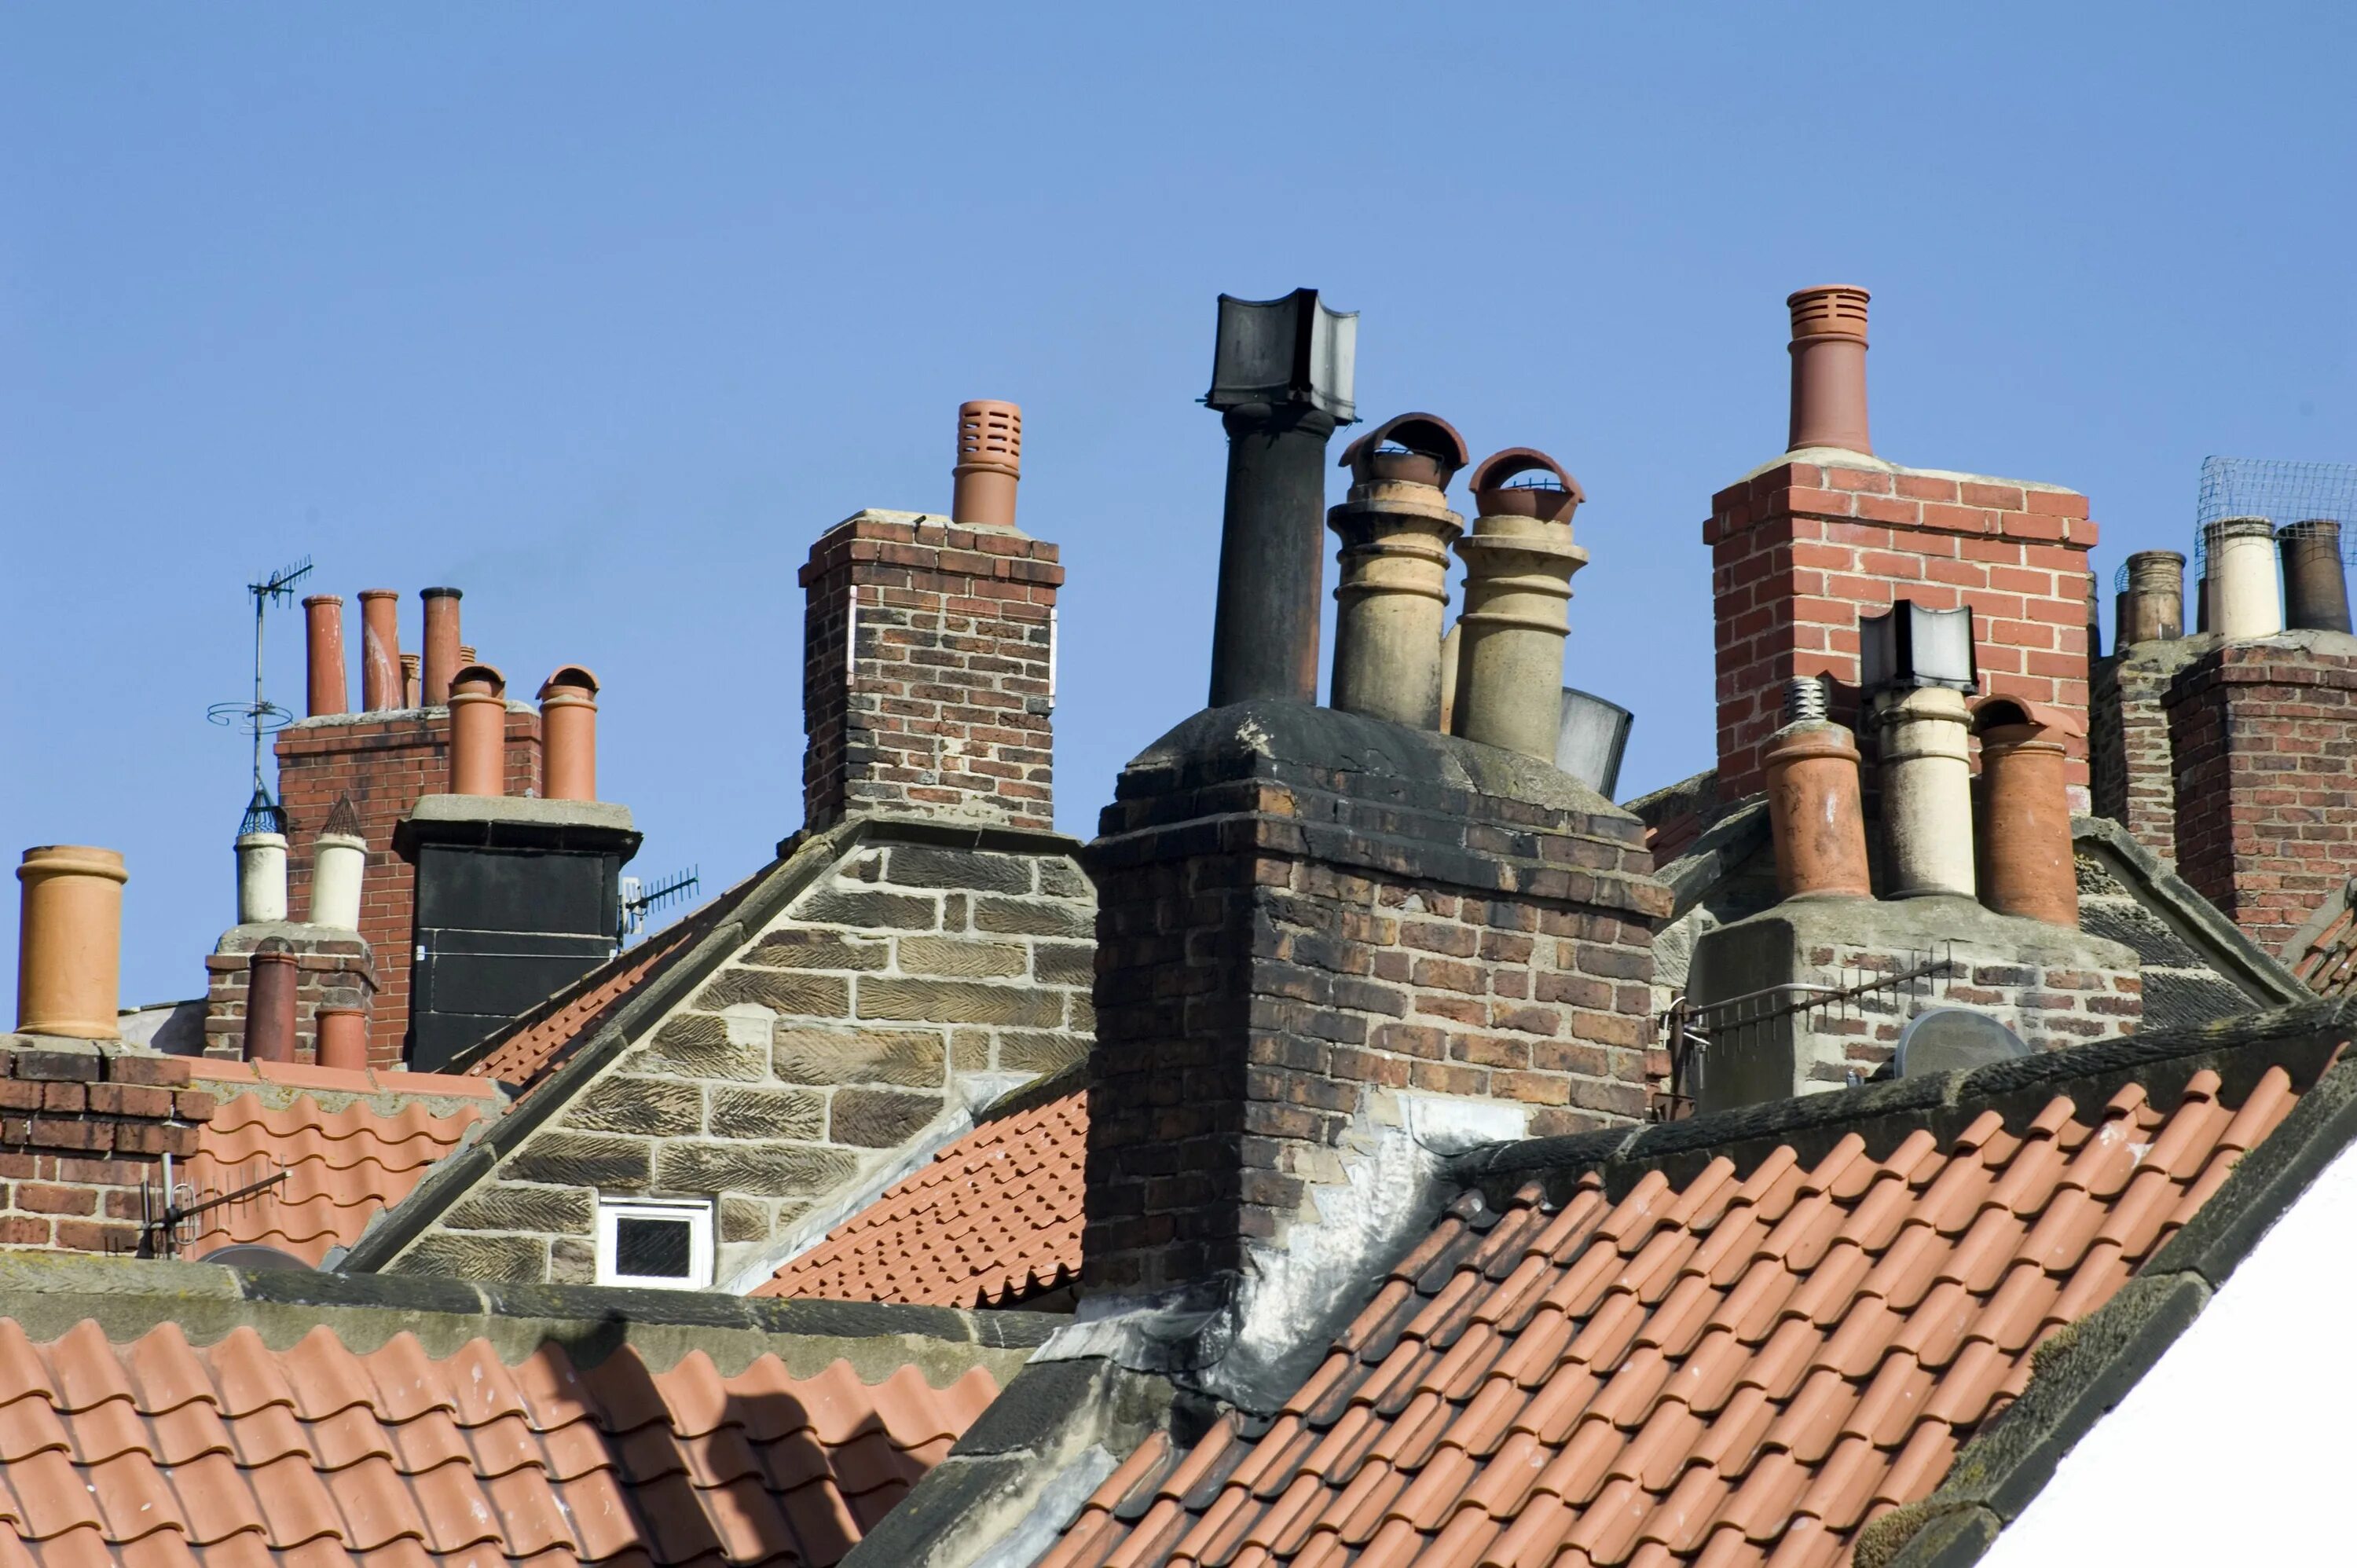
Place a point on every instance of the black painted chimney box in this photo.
(516, 898)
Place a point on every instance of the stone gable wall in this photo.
(910, 979)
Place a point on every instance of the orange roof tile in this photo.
(994, 1218)
(342, 1165)
(157, 1451)
(1739, 1369)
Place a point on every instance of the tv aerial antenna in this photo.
(639, 899)
(261, 717)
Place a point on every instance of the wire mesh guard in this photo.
(2286, 493)
(1871, 991)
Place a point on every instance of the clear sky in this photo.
(603, 313)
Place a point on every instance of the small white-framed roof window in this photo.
(655, 1243)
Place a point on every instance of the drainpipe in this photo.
(1519, 561)
(2152, 608)
(2241, 579)
(989, 466)
(2026, 811)
(1395, 529)
(69, 941)
(478, 725)
(568, 734)
(1816, 820)
(323, 630)
(442, 657)
(381, 679)
(270, 981)
(1829, 368)
(1927, 791)
(2315, 589)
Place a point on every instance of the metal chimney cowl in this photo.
(1297, 349)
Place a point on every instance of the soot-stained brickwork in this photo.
(927, 659)
(1304, 915)
(83, 1127)
(2265, 736)
(385, 763)
(1801, 549)
(2135, 770)
(332, 969)
(909, 982)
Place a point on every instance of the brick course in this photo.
(84, 1126)
(385, 762)
(942, 709)
(333, 969)
(1800, 550)
(1284, 947)
(2264, 736)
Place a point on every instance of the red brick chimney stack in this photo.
(380, 677)
(1829, 368)
(323, 630)
(443, 659)
(1805, 546)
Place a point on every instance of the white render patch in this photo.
(1841, 458)
(1446, 1124)
(2235, 1447)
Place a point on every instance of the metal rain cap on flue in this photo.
(1296, 350)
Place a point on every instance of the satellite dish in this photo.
(255, 1256)
(1954, 1039)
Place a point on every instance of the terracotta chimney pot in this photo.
(1519, 562)
(413, 682)
(1828, 351)
(989, 463)
(69, 941)
(271, 976)
(478, 725)
(381, 685)
(323, 629)
(443, 660)
(1816, 818)
(2152, 606)
(2316, 587)
(568, 734)
(2031, 869)
(342, 1041)
(1395, 529)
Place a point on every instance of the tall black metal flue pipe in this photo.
(1281, 381)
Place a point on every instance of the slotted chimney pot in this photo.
(1828, 351)
(989, 463)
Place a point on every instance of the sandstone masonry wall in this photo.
(910, 978)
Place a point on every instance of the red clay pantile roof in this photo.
(1742, 1369)
(994, 1218)
(342, 1166)
(155, 1452)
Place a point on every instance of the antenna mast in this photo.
(260, 716)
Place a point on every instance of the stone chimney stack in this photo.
(929, 660)
(1803, 546)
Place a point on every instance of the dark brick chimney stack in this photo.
(928, 659)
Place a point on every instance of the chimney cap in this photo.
(481, 678)
(440, 594)
(1999, 710)
(569, 678)
(261, 816)
(323, 599)
(990, 434)
(1294, 350)
(1548, 503)
(343, 819)
(1432, 452)
(1828, 310)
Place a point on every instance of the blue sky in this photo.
(603, 313)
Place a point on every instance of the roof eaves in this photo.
(2085, 1370)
